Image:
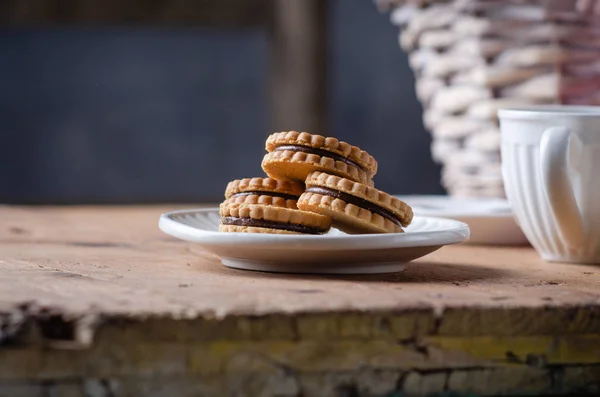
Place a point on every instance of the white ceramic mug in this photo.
(551, 171)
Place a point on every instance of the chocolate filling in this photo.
(272, 194)
(350, 199)
(232, 220)
(320, 152)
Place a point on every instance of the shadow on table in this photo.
(416, 272)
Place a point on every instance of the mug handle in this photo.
(557, 187)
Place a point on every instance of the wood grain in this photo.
(116, 261)
(90, 293)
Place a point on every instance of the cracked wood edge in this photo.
(284, 382)
(420, 346)
(419, 368)
(80, 262)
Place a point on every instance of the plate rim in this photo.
(447, 214)
(459, 233)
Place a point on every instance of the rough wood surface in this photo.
(115, 260)
(98, 300)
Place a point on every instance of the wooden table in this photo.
(98, 302)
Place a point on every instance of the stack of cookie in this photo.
(313, 183)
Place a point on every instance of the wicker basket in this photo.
(471, 57)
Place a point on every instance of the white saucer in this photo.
(491, 219)
(332, 253)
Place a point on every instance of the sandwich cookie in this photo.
(354, 207)
(293, 155)
(260, 218)
(265, 191)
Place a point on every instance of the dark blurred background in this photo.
(171, 114)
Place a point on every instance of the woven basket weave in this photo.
(471, 57)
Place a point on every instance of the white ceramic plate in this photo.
(332, 253)
(491, 219)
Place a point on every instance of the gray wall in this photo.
(121, 115)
